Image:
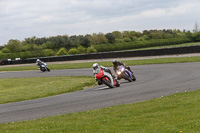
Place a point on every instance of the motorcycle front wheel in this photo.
(48, 69)
(134, 78)
(127, 78)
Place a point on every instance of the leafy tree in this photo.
(1, 55)
(85, 42)
(62, 51)
(27, 54)
(125, 34)
(25, 48)
(127, 39)
(47, 45)
(30, 40)
(188, 34)
(110, 37)
(196, 36)
(48, 52)
(143, 38)
(74, 41)
(98, 38)
(5, 50)
(13, 45)
(1, 47)
(134, 34)
(117, 34)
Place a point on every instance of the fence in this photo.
(115, 54)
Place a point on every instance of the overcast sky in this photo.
(20, 19)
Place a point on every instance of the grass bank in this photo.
(178, 113)
(105, 63)
(19, 89)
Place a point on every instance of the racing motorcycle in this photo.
(43, 67)
(106, 78)
(122, 72)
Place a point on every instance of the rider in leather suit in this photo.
(96, 65)
(118, 63)
(39, 63)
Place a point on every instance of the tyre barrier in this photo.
(103, 55)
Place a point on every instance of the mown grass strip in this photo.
(171, 114)
(106, 63)
(19, 89)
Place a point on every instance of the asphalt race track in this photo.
(153, 81)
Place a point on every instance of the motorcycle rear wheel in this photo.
(42, 69)
(107, 83)
(118, 84)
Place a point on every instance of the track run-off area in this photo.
(153, 81)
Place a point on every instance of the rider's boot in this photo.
(130, 70)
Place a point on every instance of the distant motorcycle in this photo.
(125, 73)
(43, 67)
(106, 78)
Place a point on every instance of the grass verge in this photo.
(171, 114)
(106, 63)
(32, 88)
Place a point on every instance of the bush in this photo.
(73, 51)
(91, 50)
(81, 50)
(62, 51)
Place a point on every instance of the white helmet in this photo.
(38, 60)
(95, 66)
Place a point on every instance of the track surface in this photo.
(153, 81)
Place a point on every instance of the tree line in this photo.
(96, 42)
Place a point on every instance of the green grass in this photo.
(105, 63)
(19, 89)
(171, 114)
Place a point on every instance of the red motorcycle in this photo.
(106, 78)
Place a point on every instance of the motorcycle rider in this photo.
(39, 63)
(96, 65)
(118, 63)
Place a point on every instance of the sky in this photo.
(20, 19)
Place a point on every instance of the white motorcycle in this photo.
(43, 67)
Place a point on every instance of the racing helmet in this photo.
(38, 60)
(95, 66)
(114, 62)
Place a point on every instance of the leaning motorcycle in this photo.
(43, 67)
(106, 78)
(122, 72)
